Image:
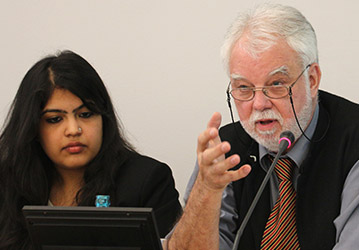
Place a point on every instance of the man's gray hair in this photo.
(264, 25)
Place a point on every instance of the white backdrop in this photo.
(160, 59)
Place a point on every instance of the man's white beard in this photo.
(270, 138)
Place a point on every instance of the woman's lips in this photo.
(74, 147)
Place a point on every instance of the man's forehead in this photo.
(283, 69)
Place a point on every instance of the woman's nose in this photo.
(73, 128)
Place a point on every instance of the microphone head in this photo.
(287, 136)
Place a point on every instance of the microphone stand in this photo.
(282, 147)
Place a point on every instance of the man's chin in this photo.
(267, 139)
(267, 134)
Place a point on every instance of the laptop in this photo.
(95, 228)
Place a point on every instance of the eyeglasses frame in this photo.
(254, 89)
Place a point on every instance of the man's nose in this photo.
(261, 101)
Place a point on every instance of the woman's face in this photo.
(70, 134)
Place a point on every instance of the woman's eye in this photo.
(55, 119)
(86, 114)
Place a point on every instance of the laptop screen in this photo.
(87, 228)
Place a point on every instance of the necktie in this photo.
(281, 228)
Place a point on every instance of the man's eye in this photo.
(277, 83)
(86, 114)
(244, 87)
(55, 119)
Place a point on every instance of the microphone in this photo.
(285, 141)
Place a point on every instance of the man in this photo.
(271, 57)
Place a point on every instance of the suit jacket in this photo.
(146, 182)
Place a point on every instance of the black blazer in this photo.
(146, 182)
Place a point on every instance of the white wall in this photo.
(160, 59)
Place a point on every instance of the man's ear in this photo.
(314, 74)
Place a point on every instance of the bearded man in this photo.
(312, 198)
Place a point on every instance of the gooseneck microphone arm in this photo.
(285, 141)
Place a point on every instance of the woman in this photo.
(62, 146)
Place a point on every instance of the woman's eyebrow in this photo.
(53, 111)
(78, 108)
(60, 110)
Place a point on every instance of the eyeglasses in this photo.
(246, 93)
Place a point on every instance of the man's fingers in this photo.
(240, 173)
(215, 153)
(205, 138)
(215, 121)
(234, 175)
(221, 167)
(219, 175)
(210, 138)
(214, 169)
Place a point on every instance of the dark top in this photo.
(321, 179)
(146, 182)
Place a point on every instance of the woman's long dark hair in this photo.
(26, 173)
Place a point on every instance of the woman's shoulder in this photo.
(138, 163)
(142, 179)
